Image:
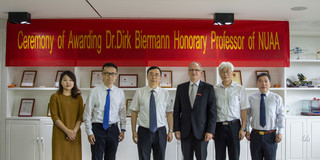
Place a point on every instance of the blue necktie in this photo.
(153, 113)
(106, 112)
(262, 111)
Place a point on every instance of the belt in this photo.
(113, 124)
(225, 123)
(110, 125)
(261, 132)
(149, 128)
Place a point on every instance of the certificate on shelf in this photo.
(58, 75)
(236, 77)
(28, 78)
(128, 80)
(128, 110)
(96, 78)
(203, 76)
(166, 79)
(261, 71)
(26, 107)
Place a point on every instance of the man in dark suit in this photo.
(195, 114)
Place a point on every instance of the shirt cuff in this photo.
(123, 126)
(247, 128)
(279, 130)
(89, 132)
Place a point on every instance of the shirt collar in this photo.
(156, 89)
(106, 88)
(268, 92)
(233, 84)
(197, 83)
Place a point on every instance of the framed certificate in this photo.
(48, 111)
(58, 75)
(203, 76)
(28, 78)
(96, 78)
(128, 80)
(26, 107)
(261, 71)
(166, 79)
(236, 77)
(128, 110)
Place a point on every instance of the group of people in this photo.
(201, 112)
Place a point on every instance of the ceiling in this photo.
(306, 20)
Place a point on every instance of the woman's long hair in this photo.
(75, 92)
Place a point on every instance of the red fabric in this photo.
(125, 50)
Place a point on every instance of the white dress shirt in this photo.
(95, 105)
(275, 111)
(141, 101)
(230, 101)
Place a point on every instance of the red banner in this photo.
(146, 42)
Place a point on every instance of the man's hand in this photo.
(248, 136)
(241, 135)
(278, 137)
(169, 137)
(91, 139)
(208, 136)
(121, 136)
(135, 137)
(177, 135)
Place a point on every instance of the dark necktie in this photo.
(153, 113)
(262, 111)
(106, 111)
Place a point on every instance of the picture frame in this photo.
(48, 111)
(236, 77)
(28, 78)
(203, 76)
(56, 82)
(26, 107)
(128, 110)
(166, 79)
(96, 78)
(128, 81)
(261, 71)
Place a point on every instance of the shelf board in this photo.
(27, 118)
(303, 89)
(34, 89)
(128, 89)
(171, 89)
(304, 61)
(271, 89)
(134, 89)
(124, 89)
(81, 89)
(85, 89)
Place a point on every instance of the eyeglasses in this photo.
(223, 72)
(195, 70)
(154, 74)
(109, 73)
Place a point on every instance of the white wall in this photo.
(3, 26)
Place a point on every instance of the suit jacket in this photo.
(202, 118)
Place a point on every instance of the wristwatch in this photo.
(123, 130)
(243, 129)
(170, 130)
